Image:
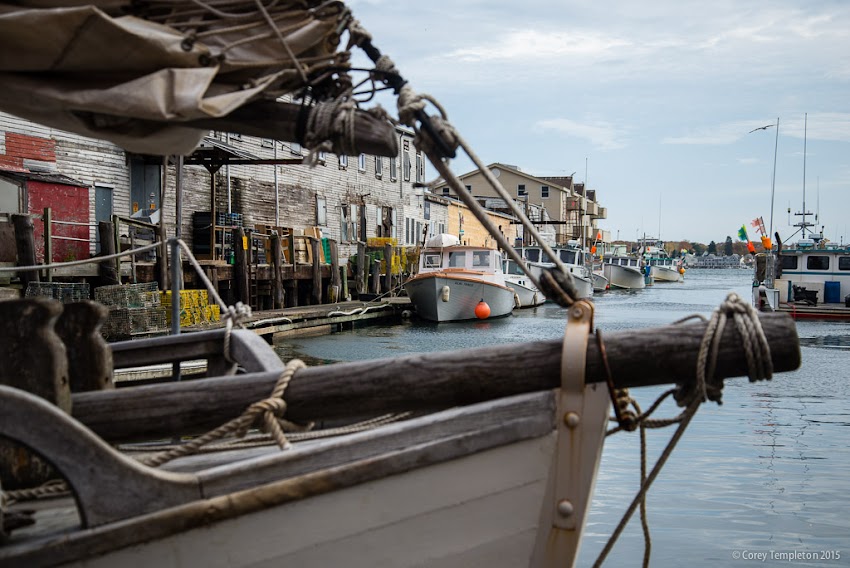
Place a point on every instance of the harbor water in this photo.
(760, 480)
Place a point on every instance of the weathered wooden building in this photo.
(556, 204)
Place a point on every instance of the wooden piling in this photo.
(47, 219)
(25, 245)
(90, 359)
(316, 245)
(278, 298)
(375, 276)
(362, 269)
(106, 268)
(240, 268)
(335, 279)
(388, 273)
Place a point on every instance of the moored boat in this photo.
(527, 294)
(538, 260)
(810, 280)
(623, 272)
(454, 279)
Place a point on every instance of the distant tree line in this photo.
(674, 248)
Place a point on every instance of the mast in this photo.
(803, 224)
(773, 180)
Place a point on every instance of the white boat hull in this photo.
(527, 295)
(432, 302)
(666, 274)
(583, 284)
(600, 283)
(624, 277)
(479, 510)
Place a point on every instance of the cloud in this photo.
(602, 135)
(536, 46)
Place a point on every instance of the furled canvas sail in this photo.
(155, 76)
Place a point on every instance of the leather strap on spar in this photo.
(581, 422)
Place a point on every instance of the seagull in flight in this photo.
(760, 128)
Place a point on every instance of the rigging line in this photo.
(482, 217)
(93, 260)
(288, 49)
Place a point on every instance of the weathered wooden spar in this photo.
(417, 382)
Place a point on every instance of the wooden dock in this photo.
(321, 318)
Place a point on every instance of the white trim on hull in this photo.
(427, 294)
(624, 277)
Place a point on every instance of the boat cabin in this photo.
(622, 261)
(461, 258)
(824, 271)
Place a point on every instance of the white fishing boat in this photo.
(538, 260)
(623, 272)
(527, 294)
(663, 268)
(600, 283)
(457, 282)
(808, 280)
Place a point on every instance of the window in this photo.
(418, 233)
(344, 224)
(544, 192)
(343, 162)
(420, 168)
(406, 165)
(323, 156)
(844, 263)
(234, 136)
(321, 211)
(361, 162)
(520, 189)
(457, 259)
(10, 198)
(379, 166)
(295, 148)
(567, 256)
(469, 188)
(432, 261)
(266, 143)
(481, 259)
(817, 263)
(445, 191)
(533, 255)
(393, 168)
(788, 262)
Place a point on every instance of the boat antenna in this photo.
(805, 129)
(773, 180)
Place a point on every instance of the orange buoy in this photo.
(482, 310)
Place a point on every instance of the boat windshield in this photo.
(481, 259)
(431, 261)
(457, 259)
(567, 256)
(532, 254)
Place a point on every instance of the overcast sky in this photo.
(652, 101)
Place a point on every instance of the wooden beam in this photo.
(643, 357)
